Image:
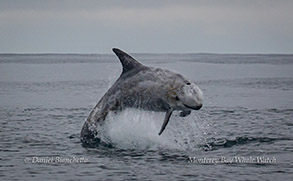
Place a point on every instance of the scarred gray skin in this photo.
(147, 88)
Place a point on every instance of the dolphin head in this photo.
(185, 95)
(191, 96)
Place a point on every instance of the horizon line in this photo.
(203, 53)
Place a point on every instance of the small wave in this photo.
(280, 83)
(216, 143)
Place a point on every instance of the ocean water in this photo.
(243, 132)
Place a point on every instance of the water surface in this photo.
(247, 113)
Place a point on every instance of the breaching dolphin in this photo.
(147, 88)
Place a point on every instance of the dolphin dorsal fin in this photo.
(128, 63)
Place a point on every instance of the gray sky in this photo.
(153, 26)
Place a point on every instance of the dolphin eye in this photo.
(188, 83)
(177, 98)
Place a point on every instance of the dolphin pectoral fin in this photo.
(184, 113)
(166, 120)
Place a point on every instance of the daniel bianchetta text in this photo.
(233, 160)
(55, 160)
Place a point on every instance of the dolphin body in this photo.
(147, 88)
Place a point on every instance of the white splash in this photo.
(138, 129)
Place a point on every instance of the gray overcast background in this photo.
(219, 26)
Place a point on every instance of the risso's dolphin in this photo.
(147, 88)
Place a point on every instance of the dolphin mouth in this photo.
(194, 108)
